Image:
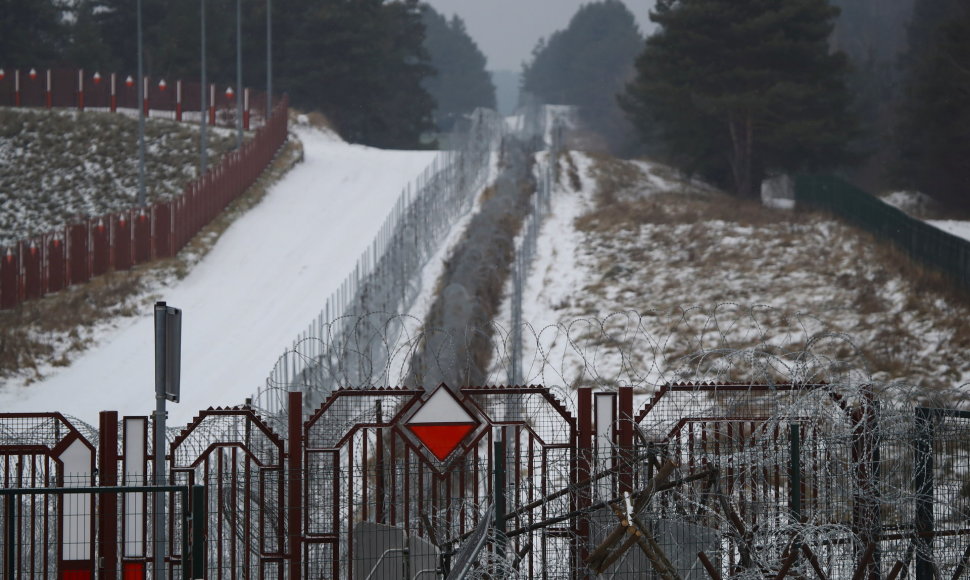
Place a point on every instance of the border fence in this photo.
(80, 89)
(926, 244)
(75, 253)
(732, 480)
(343, 344)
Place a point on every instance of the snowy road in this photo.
(268, 275)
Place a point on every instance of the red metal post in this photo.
(114, 92)
(143, 238)
(121, 243)
(178, 100)
(55, 265)
(163, 230)
(33, 275)
(584, 463)
(9, 280)
(625, 438)
(144, 93)
(101, 248)
(295, 482)
(78, 272)
(80, 89)
(246, 109)
(108, 505)
(16, 87)
(212, 105)
(49, 95)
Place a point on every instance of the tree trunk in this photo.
(742, 144)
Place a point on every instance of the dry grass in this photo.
(651, 250)
(52, 330)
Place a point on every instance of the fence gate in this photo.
(46, 534)
(398, 479)
(239, 460)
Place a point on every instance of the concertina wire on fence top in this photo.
(73, 254)
(928, 245)
(342, 345)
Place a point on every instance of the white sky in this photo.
(507, 30)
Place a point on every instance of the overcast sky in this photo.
(507, 30)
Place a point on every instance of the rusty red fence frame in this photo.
(293, 508)
(50, 262)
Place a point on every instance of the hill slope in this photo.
(266, 277)
(60, 164)
(704, 287)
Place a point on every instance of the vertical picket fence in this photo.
(70, 255)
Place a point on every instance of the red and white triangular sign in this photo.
(441, 423)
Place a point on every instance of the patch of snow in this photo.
(912, 202)
(960, 229)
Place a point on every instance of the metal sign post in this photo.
(168, 346)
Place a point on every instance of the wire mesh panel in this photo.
(399, 479)
(45, 536)
(239, 460)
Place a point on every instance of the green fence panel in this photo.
(925, 243)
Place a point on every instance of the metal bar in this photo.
(158, 511)
(294, 481)
(923, 486)
(10, 536)
(199, 519)
(108, 510)
(795, 472)
(91, 489)
(499, 489)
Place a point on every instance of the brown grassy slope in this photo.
(666, 251)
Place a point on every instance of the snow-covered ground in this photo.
(662, 280)
(267, 276)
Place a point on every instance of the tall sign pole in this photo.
(168, 346)
(141, 116)
(269, 59)
(239, 87)
(204, 109)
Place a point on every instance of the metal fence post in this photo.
(294, 480)
(10, 536)
(199, 519)
(108, 504)
(499, 490)
(923, 486)
(795, 472)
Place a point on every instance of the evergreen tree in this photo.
(32, 33)
(86, 48)
(587, 65)
(741, 87)
(461, 83)
(361, 63)
(935, 117)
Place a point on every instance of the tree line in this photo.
(386, 73)
(735, 90)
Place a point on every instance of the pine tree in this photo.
(587, 65)
(935, 117)
(32, 33)
(361, 63)
(737, 88)
(461, 83)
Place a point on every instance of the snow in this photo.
(961, 229)
(268, 275)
